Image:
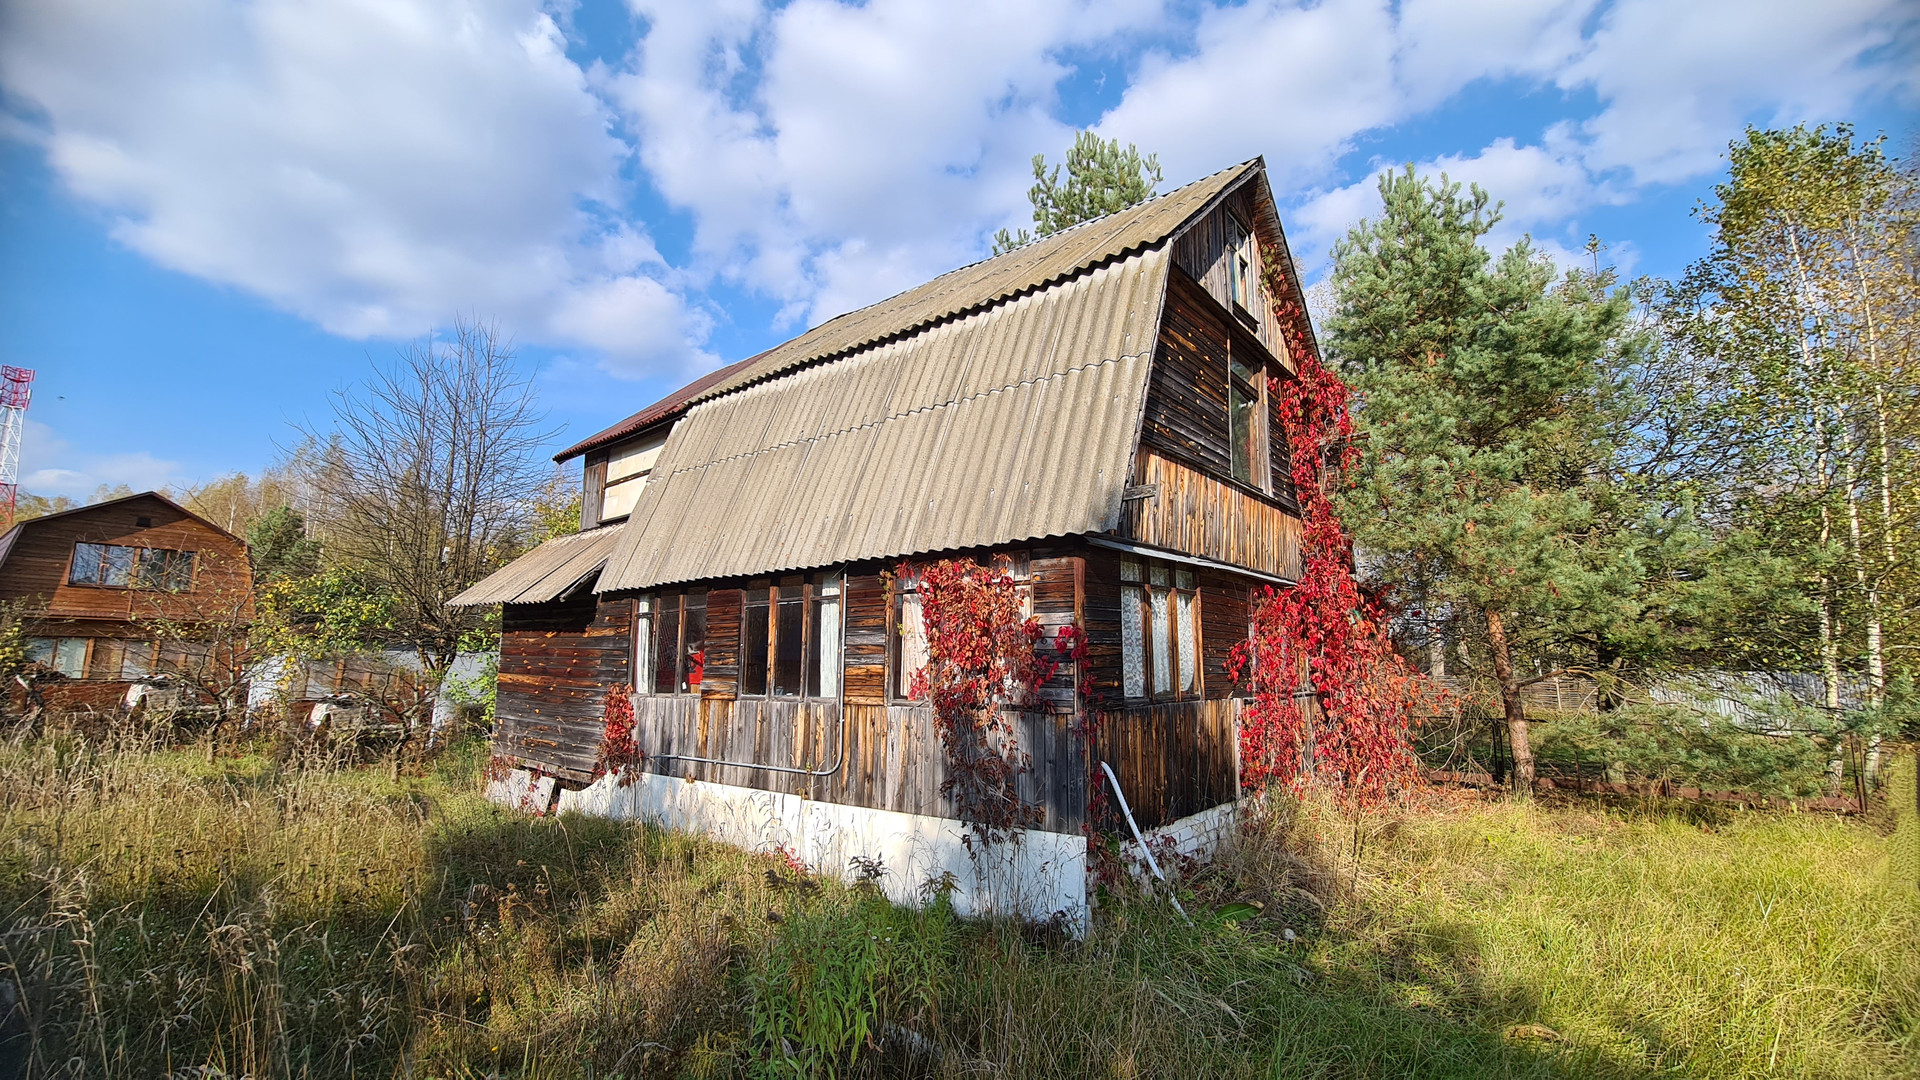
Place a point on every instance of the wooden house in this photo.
(121, 590)
(1096, 406)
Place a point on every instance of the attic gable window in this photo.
(627, 470)
(1242, 288)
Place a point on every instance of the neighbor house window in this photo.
(117, 566)
(670, 643)
(1159, 631)
(627, 470)
(790, 632)
(1246, 419)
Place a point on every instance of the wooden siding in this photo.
(557, 662)
(1201, 252)
(865, 644)
(720, 678)
(1173, 760)
(1198, 514)
(37, 564)
(1186, 409)
(891, 758)
(1224, 602)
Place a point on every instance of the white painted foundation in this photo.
(1033, 875)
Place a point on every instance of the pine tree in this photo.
(1489, 418)
(1101, 179)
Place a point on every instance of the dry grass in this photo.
(163, 913)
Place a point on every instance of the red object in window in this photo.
(696, 666)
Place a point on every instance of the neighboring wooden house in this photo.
(1094, 406)
(121, 590)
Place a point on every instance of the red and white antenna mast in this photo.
(16, 390)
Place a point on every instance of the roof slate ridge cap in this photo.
(957, 313)
(916, 410)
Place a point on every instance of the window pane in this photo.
(40, 650)
(1186, 641)
(1183, 579)
(693, 649)
(643, 648)
(70, 656)
(1132, 645)
(1240, 407)
(86, 564)
(823, 666)
(1157, 573)
(179, 572)
(753, 645)
(619, 498)
(666, 647)
(787, 641)
(1162, 645)
(152, 567)
(116, 568)
(913, 643)
(1130, 570)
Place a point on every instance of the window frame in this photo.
(1177, 587)
(1252, 388)
(136, 576)
(762, 599)
(643, 645)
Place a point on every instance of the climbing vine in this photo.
(1332, 703)
(984, 656)
(619, 751)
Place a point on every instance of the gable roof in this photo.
(12, 535)
(995, 404)
(671, 405)
(1037, 265)
(548, 572)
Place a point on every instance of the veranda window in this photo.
(669, 643)
(790, 634)
(1159, 631)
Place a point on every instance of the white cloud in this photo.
(379, 165)
(1680, 79)
(50, 465)
(372, 165)
(832, 155)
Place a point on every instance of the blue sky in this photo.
(217, 214)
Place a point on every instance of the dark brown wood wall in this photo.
(1199, 514)
(557, 663)
(1186, 410)
(1173, 760)
(37, 563)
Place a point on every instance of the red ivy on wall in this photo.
(982, 659)
(1332, 703)
(619, 751)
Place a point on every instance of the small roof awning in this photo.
(549, 572)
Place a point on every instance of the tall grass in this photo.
(160, 913)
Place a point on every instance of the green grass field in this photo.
(162, 912)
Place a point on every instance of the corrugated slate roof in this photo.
(670, 405)
(548, 572)
(1036, 265)
(1010, 423)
